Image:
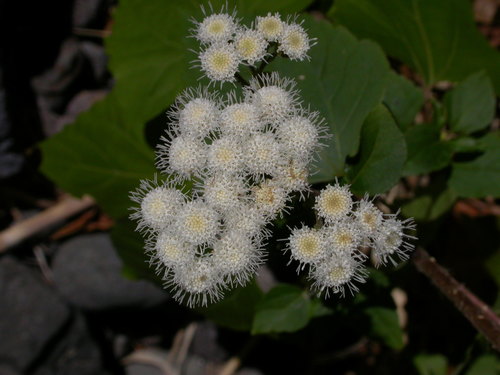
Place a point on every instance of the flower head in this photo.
(240, 119)
(181, 155)
(270, 26)
(250, 45)
(167, 250)
(294, 42)
(224, 192)
(225, 156)
(220, 62)
(270, 199)
(334, 203)
(215, 28)
(263, 155)
(307, 245)
(391, 241)
(197, 223)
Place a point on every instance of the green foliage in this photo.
(385, 326)
(471, 105)
(430, 205)
(403, 99)
(237, 309)
(426, 151)
(438, 38)
(382, 154)
(485, 365)
(480, 177)
(99, 155)
(345, 79)
(430, 364)
(285, 308)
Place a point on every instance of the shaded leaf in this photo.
(471, 105)
(430, 364)
(403, 99)
(382, 154)
(285, 308)
(480, 177)
(426, 151)
(385, 326)
(237, 309)
(437, 38)
(430, 206)
(485, 365)
(98, 155)
(344, 80)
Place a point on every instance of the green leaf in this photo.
(430, 206)
(485, 365)
(426, 151)
(493, 266)
(100, 156)
(430, 364)
(480, 177)
(471, 105)
(285, 308)
(236, 310)
(438, 38)
(385, 326)
(344, 80)
(382, 154)
(150, 50)
(403, 99)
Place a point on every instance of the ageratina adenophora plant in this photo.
(244, 157)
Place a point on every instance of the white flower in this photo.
(240, 119)
(275, 97)
(195, 112)
(225, 156)
(216, 28)
(337, 273)
(223, 192)
(300, 135)
(344, 237)
(197, 283)
(369, 218)
(270, 199)
(307, 245)
(169, 251)
(334, 203)
(250, 45)
(181, 155)
(293, 177)
(237, 257)
(247, 219)
(294, 42)
(263, 155)
(270, 26)
(158, 204)
(220, 62)
(391, 241)
(197, 223)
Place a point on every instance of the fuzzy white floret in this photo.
(263, 155)
(220, 62)
(250, 45)
(240, 119)
(270, 199)
(182, 155)
(293, 177)
(391, 241)
(270, 26)
(197, 223)
(299, 136)
(369, 218)
(337, 273)
(198, 118)
(294, 42)
(158, 204)
(307, 245)
(247, 219)
(225, 155)
(197, 283)
(216, 28)
(170, 251)
(344, 237)
(224, 192)
(334, 203)
(237, 256)
(275, 97)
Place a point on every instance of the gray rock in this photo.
(87, 273)
(74, 353)
(31, 314)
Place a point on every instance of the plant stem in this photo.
(482, 317)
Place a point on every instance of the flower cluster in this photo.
(335, 253)
(244, 157)
(226, 43)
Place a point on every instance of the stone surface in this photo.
(87, 273)
(75, 352)
(31, 315)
